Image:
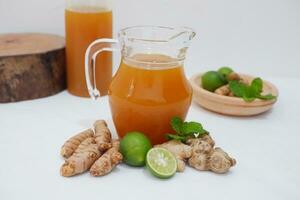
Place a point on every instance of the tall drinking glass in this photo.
(86, 21)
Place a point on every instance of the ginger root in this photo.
(200, 153)
(219, 161)
(82, 159)
(233, 76)
(106, 163)
(71, 144)
(199, 161)
(205, 157)
(201, 147)
(223, 90)
(102, 135)
(179, 150)
(202, 144)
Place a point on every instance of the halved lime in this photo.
(161, 162)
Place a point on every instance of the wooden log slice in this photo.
(32, 65)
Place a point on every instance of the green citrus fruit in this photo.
(212, 80)
(225, 71)
(161, 163)
(134, 147)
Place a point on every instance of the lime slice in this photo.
(161, 162)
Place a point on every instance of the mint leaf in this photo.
(266, 97)
(200, 134)
(242, 90)
(176, 137)
(257, 85)
(185, 130)
(238, 88)
(249, 93)
(176, 124)
(248, 99)
(189, 128)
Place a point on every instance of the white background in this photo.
(260, 37)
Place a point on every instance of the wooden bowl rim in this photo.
(235, 101)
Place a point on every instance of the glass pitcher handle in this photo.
(96, 47)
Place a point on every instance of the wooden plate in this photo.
(232, 105)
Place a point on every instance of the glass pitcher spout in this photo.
(184, 35)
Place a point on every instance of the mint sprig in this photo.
(249, 92)
(185, 130)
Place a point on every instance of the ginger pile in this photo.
(91, 149)
(200, 154)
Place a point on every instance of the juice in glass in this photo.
(146, 92)
(84, 24)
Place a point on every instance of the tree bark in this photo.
(32, 66)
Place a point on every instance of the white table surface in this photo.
(265, 146)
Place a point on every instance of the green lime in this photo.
(161, 162)
(212, 80)
(134, 147)
(225, 71)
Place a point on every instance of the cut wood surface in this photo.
(32, 65)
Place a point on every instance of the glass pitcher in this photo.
(150, 86)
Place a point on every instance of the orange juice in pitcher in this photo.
(144, 97)
(86, 21)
